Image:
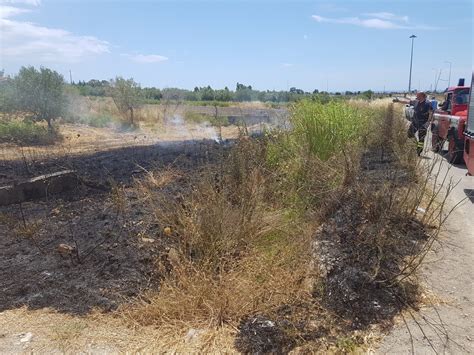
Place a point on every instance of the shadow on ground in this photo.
(115, 240)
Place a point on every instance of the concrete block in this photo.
(38, 187)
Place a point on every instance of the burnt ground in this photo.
(119, 165)
(360, 252)
(364, 245)
(115, 244)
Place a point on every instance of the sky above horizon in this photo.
(335, 45)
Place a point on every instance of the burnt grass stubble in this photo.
(103, 219)
(113, 264)
(359, 252)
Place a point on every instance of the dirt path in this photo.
(446, 324)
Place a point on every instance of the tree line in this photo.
(43, 93)
(241, 93)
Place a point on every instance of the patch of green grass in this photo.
(346, 345)
(26, 132)
(315, 157)
(328, 129)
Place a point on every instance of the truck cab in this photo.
(469, 135)
(449, 121)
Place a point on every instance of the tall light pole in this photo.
(411, 62)
(449, 78)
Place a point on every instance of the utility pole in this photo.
(411, 62)
(437, 80)
(70, 77)
(434, 82)
(449, 78)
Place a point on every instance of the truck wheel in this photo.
(455, 153)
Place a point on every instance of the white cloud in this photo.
(387, 16)
(369, 23)
(10, 11)
(376, 22)
(26, 41)
(286, 65)
(146, 58)
(305, 37)
(24, 2)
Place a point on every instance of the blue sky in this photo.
(340, 45)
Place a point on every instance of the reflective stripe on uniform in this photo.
(420, 144)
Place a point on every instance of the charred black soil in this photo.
(111, 247)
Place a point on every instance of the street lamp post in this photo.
(411, 62)
(449, 78)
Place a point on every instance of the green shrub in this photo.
(317, 155)
(328, 129)
(26, 132)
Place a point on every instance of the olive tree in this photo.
(7, 95)
(127, 96)
(41, 93)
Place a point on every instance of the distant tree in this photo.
(7, 95)
(207, 94)
(243, 92)
(40, 92)
(223, 95)
(126, 94)
(192, 95)
(240, 86)
(262, 96)
(152, 93)
(368, 94)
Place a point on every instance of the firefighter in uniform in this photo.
(420, 121)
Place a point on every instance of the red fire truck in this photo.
(469, 134)
(449, 121)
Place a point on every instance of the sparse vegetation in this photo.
(26, 132)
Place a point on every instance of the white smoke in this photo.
(202, 130)
(209, 132)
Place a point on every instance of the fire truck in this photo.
(449, 122)
(469, 134)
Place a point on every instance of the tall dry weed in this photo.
(234, 252)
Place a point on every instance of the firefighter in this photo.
(420, 120)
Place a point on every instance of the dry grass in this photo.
(98, 333)
(235, 254)
(242, 233)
